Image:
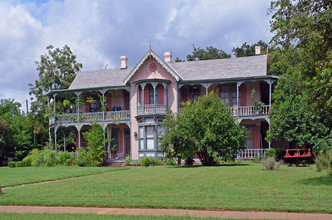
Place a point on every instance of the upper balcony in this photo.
(108, 106)
(111, 117)
(151, 109)
(250, 112)
(152, 97)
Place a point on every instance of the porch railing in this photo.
(94, 116)
(250, 110)
(250, 154)
(151, 109)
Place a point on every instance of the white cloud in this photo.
(99, 32)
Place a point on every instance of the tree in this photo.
(290, 120)
(96, 142)
(210, 53)
(205, 128)
(56, 70)
(15, 130)
(249, 50)
(303, 41)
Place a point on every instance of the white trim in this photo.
(159, 60)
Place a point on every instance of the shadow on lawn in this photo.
(318, 181)
(221, 165)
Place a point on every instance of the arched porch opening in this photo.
(118, 148)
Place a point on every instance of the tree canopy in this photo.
(302, 41)
(249, 50)
(205, 128)
(56, 70)
(15, 130)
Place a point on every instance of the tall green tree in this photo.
(249, 50)
(15, 130)
(210, 53)
(96, 145)
(56, 70)
(303, 41)
(205, 128)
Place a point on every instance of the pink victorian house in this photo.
(131, 102)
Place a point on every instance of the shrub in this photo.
(149, 161)
(27, 160)
(49, 158)
(324, 158)
(12, 164)
(270, 163)
(65, 158)
(80, 159)
(36, 159)
(271, 153)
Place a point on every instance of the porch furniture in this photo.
(297, 156)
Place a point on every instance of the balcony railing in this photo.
(114, 116)
(151, 109)
(250, 111)
(250, 154)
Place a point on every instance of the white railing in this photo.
(118, 115)
(250, 154)
(250, 110)
(93, 116)
(151, 109)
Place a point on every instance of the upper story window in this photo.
(228, 94)
(151, 95)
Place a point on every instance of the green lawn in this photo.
(23, 175)
(14, 216)
(242, 187)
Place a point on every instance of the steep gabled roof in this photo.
(222, 68)
(253, 66)
(159, 60)
(100, 78)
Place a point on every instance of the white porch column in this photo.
(78, 104)
(55, 139)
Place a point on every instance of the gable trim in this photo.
(159, 60)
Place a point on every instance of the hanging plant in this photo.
(66, 102)
(90, 100)
(102, 100)
(253, 93)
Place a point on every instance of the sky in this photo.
(100, 31)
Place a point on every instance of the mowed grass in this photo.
(245, 187)
(36, 216)
(25, 175)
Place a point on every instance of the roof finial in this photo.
(150, 49)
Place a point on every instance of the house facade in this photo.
(131, 102)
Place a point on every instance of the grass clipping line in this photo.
(57, 179)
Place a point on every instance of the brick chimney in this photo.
(258, 50)
(123, 62)
(168, 57)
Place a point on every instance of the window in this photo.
(228, 94)
(147, 142)
(141, 138)
(149, 137)
(151, 95)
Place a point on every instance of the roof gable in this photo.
(159, 60)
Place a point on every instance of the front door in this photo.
(127, 142)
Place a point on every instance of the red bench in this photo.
(297, 156)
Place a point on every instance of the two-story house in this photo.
(131, 102)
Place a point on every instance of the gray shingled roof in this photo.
(222, 68)
(193, 70)
(100, 78)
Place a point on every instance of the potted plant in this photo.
(258, 107)
(90, 99)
